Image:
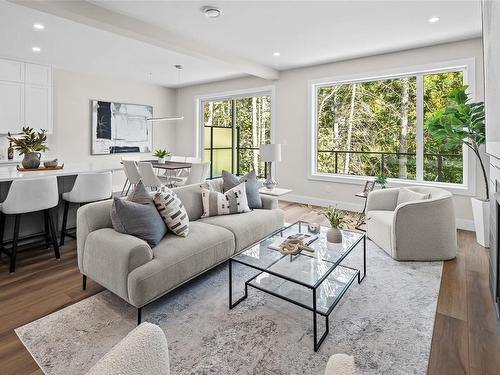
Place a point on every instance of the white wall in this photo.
(71, 138)
(292, 122)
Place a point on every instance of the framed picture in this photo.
(121, 127)
(369, 186)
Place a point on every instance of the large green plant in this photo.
(461, 122)
(30, 141)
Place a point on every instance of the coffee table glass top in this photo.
(307, 268)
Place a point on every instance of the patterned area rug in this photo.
(385, 322)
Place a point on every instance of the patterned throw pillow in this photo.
(252, 186)
(233, 201)
(172, 212)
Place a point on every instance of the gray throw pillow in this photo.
(406, 195)
(138, 216)
(252, 186)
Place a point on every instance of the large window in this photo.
(376, 127)
(233, 131)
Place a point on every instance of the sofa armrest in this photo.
(425, 230)
(89, 218)
(109, 257)
(269, 202)
(143, 351)
(383, 199)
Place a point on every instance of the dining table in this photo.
(170, 168)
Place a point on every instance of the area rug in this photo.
(385, 322)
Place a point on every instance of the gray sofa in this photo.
(127, 265)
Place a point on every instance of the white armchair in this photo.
(419, 230)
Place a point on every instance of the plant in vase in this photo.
(462, 123)
(162, 155)
(381, 181)
(30, 144)
(337, 219)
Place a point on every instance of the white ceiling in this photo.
(304, 32)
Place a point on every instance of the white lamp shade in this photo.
(270, 152)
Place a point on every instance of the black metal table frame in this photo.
(313, 288)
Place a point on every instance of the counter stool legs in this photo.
(53, 234)
(46, 229)
(13, 251)
(64, 223)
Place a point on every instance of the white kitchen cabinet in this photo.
(38, 107)
(11, 107)
(25, 96)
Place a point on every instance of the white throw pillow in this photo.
(406, 195)
(233, 201)
(172, 211)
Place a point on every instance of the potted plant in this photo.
(162, 155)
(30, 144)
(381, 181)
(337, 219)
(462, 122)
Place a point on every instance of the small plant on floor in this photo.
(381, 180)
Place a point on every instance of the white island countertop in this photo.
(10, 173)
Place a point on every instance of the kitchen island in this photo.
(32, 224)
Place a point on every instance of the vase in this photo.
(334, 235)
(481, 215)
(31, 160)
(161, 160)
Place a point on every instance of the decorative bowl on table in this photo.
(50, 163)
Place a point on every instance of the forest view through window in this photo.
(370, 128)
(234, 129)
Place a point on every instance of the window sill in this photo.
(456, 189)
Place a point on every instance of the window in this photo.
(376, 127)
(233, 131)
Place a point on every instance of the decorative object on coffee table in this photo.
(336, 218)
(30, 144)
(294, 247)
(270, 153)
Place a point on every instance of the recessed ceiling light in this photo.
(433, 19)
(276, 54)
(38, 26)
(211, 11)
(36, 49)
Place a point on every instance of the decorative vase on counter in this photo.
(31, 160)
(334, 235)
(10, 151)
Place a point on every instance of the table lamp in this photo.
(268, 154)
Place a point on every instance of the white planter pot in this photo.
(161, 160)
(481, 214)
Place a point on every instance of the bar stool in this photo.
(88, 187)
(25, 196)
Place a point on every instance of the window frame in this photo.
(231, 95)
(467, 66)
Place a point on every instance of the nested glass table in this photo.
(294, 278)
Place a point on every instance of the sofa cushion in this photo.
(231, 202)
(190, 196)
(172, 212)
(406, 195)
(178, 259)
(252, 186)
(139, 220)
(249, 227)
(379, 224)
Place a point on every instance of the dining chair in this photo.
(197, 174)
(148, 176)
(88, 187)
(30, 195)
(132, 174)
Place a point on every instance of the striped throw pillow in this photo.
(233, 201)
(172, 212)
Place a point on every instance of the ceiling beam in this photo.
(98, 17)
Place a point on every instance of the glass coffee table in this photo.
(297, 278)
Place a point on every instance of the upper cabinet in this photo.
(25, 96)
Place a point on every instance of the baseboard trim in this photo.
(349, 206)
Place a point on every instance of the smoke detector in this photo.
(211, 11)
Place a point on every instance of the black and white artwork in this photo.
(120, 127)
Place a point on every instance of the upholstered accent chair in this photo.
(422, 229)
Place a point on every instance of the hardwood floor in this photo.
(466, 338)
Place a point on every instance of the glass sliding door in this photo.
(234, 129)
